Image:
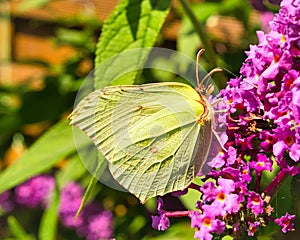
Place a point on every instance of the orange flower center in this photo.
(207, 222)
(255, 200)
(282, 38)
(252, 229)
(221, 196)
(289, 140)
(276, 58)
(261, 164)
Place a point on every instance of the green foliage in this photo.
(89, 190)
(145, 19)
(73, 170)
(132, 25)
(177, 231)
(54, 145)
(295, 193)
(17, 229)
(188, 41)
(49, 221)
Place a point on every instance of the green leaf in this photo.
(283, 198)
(227, 238)
(133, 24)
(48, 226)
(92, 183)
(190, 198)
(87, 193)
(295, 192)
(17, 230)
(72, 171)
(177, 231)
(271, 237)
(54, 145)
(188, 41)
(137, 224)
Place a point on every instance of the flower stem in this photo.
(199, 30)
(177, 214)
(194, 186)
(276, 183)
(257, 182)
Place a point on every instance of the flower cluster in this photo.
(35, 191)
(70, 200)
(262, 130)
(93, 223)
(160, 222)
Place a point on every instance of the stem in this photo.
(199, 30)
(194, 186)
(257, 182)
(210, 53)
(273, 187)
(177, 214)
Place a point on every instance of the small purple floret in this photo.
(36, 191)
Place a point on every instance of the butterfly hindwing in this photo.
(149, 134)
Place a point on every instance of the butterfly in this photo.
(155, 137)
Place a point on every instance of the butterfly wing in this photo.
(150, 134)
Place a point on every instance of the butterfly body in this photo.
(156, 137)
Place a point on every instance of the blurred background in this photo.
(48, 47)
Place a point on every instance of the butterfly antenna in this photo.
(200, 52)
(217, 69)
(227, 70)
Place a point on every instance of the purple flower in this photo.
(92, 223)
(255, 203)
(265, 18)
(252, 228)
(268, 140)
(286, 141)
(100, 226)
(242, 191)
(262, 118)
(222, 196)
(160, 222)
(206, 223)
(208, 190)
(35, 191)
(286, 222)
(70, 200)
(246, 175)
(262, 163)
(226, 172)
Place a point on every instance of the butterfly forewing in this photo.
(150, 134)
